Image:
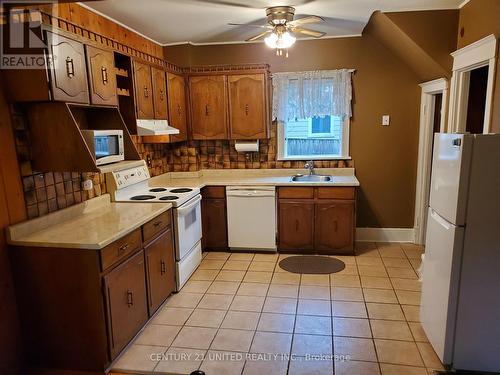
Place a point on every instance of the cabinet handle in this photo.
(104, 74)
(246, 109)
(122, 248)
(161, 94)
(157, 223)
(70, 68)
(146, 92)
(206, 109)
(130, 298)
(163, 267)
(178, 109)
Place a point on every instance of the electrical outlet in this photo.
(88, 185)
(149, 162)
(386, 120)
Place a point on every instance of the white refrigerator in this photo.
(460, 307)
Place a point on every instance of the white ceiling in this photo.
(205, 21)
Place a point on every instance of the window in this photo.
(313, 110)
(318, 137)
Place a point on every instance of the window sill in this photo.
(305, 158)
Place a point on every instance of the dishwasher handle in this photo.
(250, 193)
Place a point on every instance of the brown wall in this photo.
(384, 157)
(480, 18)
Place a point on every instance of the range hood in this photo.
(155, 127)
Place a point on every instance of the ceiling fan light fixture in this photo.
(280, 41)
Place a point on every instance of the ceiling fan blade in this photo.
(314, 33)
(259, 36)
(306, 20)
(251, 25)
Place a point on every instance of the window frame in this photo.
(345, 155)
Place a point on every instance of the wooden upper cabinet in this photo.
(160, 270)
(143, 91)
(248, 114)
(176, 87)
(334, 226)
(68, 73)
(125, 291)
(296, 225)
(159, 93)
(208, 99)
(101, 75)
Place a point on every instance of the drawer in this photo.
(336, 193)
(120, 249)
(213, 192)
(157, 225)
(296, 192)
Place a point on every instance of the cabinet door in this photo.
(126, 303)
(68, 74)
(247, 106)
(213, 219)
(143, 91)
(208, 99)
(101, 75)
(160, 269)
(159, 93)
(296, 225)
(177, 105)
(334, 226)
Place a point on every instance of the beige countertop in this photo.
(251, 177)
(93, 224)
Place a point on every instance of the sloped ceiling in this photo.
(205, 21)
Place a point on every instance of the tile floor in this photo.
(240, 313)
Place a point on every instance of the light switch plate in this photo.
(386, 120)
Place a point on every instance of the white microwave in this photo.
(105, 145)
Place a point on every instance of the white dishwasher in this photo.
(251, 217)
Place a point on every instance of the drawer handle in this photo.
(207, 107)
(122, 248)
(163, 267)
(104, 74)
(246, 109)
(70, 68)
(161, 94)
(157, 223)
(130, 298)
(146, 92)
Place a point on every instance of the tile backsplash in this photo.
(50, 191)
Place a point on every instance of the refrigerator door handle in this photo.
(444, 223)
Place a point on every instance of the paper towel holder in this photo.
(247, 146)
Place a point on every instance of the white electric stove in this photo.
(132, 185)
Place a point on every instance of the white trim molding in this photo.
(476, 55)
(385, 234)
(426, 132)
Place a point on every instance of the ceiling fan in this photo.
(281, 27)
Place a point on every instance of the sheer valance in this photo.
(313, 93)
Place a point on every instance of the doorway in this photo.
(476, 101)
(432, 120)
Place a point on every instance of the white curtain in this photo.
(313, 93)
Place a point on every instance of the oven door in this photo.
(188, 227)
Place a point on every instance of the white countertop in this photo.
(93, 224)
(251, 177)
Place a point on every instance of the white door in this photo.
(450, 174)
(440, 280)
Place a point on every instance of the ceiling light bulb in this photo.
(271, 40)
(286, 40)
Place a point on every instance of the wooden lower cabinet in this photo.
(317, 220)
(160, 270)
(214, 218)
(127, 311)
(334, 226)
(296, 225)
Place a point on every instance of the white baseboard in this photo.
(385, 234)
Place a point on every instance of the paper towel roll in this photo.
(249, 146)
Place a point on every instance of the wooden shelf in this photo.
(121, 72)
(122, 92)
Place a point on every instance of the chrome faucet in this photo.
(310, 166)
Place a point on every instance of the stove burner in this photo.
(142, 197)
(157, 190)
(169, 198)
(181, 190)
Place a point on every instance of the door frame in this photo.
(427, 105)
(476, 55)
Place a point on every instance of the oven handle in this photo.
(192, 203)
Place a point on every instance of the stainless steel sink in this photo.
(311, 178)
